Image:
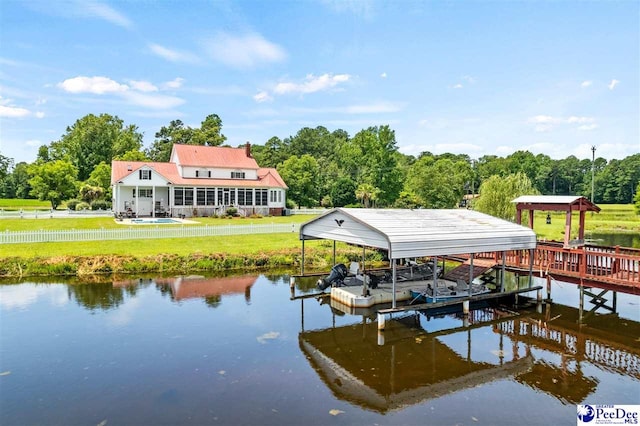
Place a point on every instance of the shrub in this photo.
(232, 211)
(290, 204)
(82, 206)
(100, 205)
(71, 204)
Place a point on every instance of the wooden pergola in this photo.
(566, 203)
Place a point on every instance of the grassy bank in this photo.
(613, 218)
(242, 252)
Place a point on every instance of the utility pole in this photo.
(593, 169)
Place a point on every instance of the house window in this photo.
(188, 196)
(279, 196)
(203, 173)
(237, 175)
(201, 196)
(245, 197)
(211, 196)
(178, 196)
(145, 193)
(261, 197)
(145, 174)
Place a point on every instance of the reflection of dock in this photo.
(407, 370)
(607, 341)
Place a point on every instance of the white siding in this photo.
(217, 173)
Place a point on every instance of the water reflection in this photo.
(413, 360)
(152, 351)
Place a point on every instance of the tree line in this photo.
(321, 167)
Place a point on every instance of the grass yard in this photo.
(16, 204)
(111, 223)
(612, 218)
(618, 218)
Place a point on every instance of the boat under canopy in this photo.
(406, 233)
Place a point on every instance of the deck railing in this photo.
(614, 265)
(143, 232)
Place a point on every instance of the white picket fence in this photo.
(143, 232)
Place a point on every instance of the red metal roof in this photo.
(212, 156)
(267, 178)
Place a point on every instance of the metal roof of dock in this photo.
(422, 232)
(555, 203)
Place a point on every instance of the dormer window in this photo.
(145, 174)
(237, 175)
(203, 173)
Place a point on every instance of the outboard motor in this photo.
(336, 276)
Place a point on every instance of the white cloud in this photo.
(469, 79)
(95, 85)
(613, 84)
(96, 9)
(588, 127)
(13, 112)
(172, 55)
(312, 84)
(457, 86)
(546, 123)
(176, 83)
(142, 86)
(153, 101)
(25, 295)
(137, 94)
(383, 75)
(246, 51)
(40, 114)
(262, 97)
(33, 143)
(586, 83)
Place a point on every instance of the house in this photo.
(197, 181)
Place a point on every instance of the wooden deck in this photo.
(614, 268)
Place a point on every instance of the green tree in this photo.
(89, 193)
(94, 139)
(132, 155)
(637, 199)
(20, 177)
(54, 181)
(497, 194)
(367, 194)
(301, 176)
(275, 152)
(208, 134)
(370, 157)
(343, 192)
(438, 183)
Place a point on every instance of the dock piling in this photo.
(381, 321)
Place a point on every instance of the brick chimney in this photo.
(247, 149)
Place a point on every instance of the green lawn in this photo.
(17, 204)
(612, 218)
(110, 222)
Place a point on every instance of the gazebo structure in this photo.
(566, 203)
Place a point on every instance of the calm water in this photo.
(237, 350)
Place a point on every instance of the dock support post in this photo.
(465, 308)
(292, 285)
(380, 338)
(302, 260)
(548, 287)
(381, 320)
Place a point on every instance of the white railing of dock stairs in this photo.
(143, 232)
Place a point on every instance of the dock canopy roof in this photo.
(555, 203)
(418, 233)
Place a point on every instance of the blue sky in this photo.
(474, 77)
